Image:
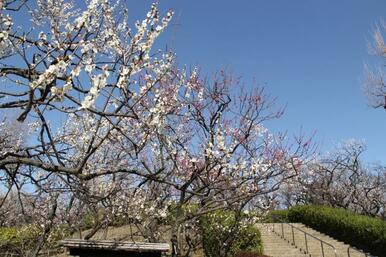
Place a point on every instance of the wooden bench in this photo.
(111, 248)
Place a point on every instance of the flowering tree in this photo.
(114, 129)
(374, 85)
(342, 180)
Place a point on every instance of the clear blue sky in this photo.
(310, 54)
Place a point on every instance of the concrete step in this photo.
(276, 246)
(283, 240)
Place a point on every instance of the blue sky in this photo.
(310, 54)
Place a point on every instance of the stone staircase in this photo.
(275, 246)
(297, 240)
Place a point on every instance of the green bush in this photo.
(12, 239)
(23, 239)
(88, 220)
(361, 231)
(8, 236)
(276, 216)
(217, 235)
(175, 211)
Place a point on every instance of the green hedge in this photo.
(276, 216)
(364, 232)
(217, 228)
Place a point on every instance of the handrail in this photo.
(351, 247)
(305, 238)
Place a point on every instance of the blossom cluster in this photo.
(6, 23)
(121, 131)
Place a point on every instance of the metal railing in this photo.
(358, 250)
(307, 235)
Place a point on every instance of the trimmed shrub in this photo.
(276, 216)
(218, 233)
(361, 231)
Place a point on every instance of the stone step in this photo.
(275, 246)
(294, 243)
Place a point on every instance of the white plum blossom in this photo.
(6, 23)
(114, 119)
(98, 83)
(48, 76)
